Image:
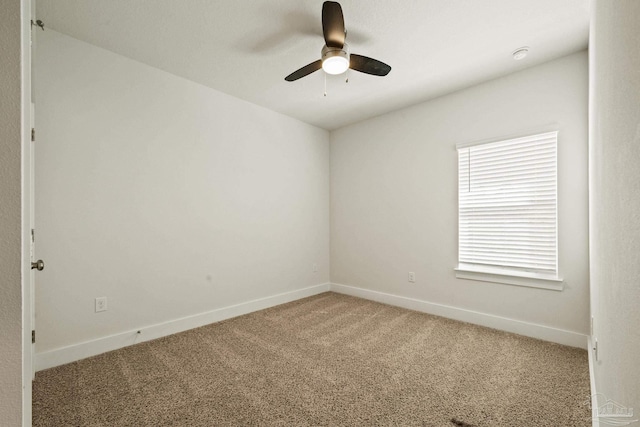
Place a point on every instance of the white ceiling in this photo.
(246, 47)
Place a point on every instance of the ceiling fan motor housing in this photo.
(335, 60)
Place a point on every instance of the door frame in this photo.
(26, 11)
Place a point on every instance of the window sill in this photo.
(509, 277)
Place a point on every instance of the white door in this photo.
(36, 264)
(26, 15)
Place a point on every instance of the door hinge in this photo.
(33, 134)
(33, 336)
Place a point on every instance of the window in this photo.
(507, 211)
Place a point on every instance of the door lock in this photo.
(38, 265)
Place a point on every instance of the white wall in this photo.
(394, 194)
(615, 198)
(10, 217)
(167, 197)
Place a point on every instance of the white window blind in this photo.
(507, 199)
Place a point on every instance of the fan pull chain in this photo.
(325, 84)
(347, 79)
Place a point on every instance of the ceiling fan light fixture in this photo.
(335, 65)
(335, 60)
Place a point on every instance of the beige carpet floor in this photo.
(327, 360)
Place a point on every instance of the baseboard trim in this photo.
(533, 330)
(72, 353)
(592, 380)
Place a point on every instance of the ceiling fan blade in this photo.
(368, 65)
(333, 24)
(304, 71)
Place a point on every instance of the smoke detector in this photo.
(520, 53)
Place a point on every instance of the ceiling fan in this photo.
(335, 56)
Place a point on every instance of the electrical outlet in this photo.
(101, 304)
(412, 277)
(315, 268)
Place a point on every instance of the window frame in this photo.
(506, 275)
